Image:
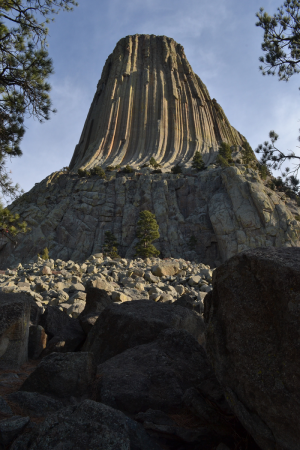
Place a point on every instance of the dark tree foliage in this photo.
(45, 254)
(176, 169)
(282, 47)
(248, 153)
(110, 247)
(10, 223)
(98, 171)
(273, 158)
(198, 163)
(147, 231)
(281, 40)
(24, 69)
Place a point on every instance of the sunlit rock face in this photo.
(150, 103)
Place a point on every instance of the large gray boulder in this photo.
(120, 327)
(253, 342)
(62, 375)
(156, 375)
(88, 425)
(14, 330)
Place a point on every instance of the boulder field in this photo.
(154, 373)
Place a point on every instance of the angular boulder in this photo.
(88, 425)
(120, 327)
(65, 333)
(35, 404)
(253, 342)
(62, 375)
(156, 375)
(14, 330)
(165, 269)
(96, 301)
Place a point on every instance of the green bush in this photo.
(98, 171)
(247, 153)
(153, 163)
(147, 231)
(45, 254)
(222, 161)
(263, 171)
(297, 218)
(84, 173)
(10, 223)
(225, 151)
(176, 169)
(198, 163)
(144, 165)
(110, 247)
(156, 171)
(127, 169)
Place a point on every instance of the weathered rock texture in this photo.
(227, 210)
(253, 342)
(150, 103)
(14, 330)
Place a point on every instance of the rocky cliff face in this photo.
(227, 210)
(150, 103)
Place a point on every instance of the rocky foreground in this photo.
(135, 366)
(64, 284)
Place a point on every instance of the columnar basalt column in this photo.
(150, 103)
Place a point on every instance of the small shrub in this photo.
(263, 171)
(145, 165)
(153, 163)
(297, 218)
(176, 169)
(222, 161)
(110, 168)
(84, 173)
(198, 163)
(98, 171)
(110, 247)
(10, 223)
(156, 171)
(45, 254)
(248, 153)
(127, 169)
(225, 151)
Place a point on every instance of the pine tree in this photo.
(225, 151)
(198, 163)
(110, 247)
(10, 223)
(176, 169)
(25, 67)
(147, 231)
(247, 152)
(45, 254)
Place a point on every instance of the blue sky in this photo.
(221, 43)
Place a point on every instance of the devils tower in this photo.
(150, 103)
